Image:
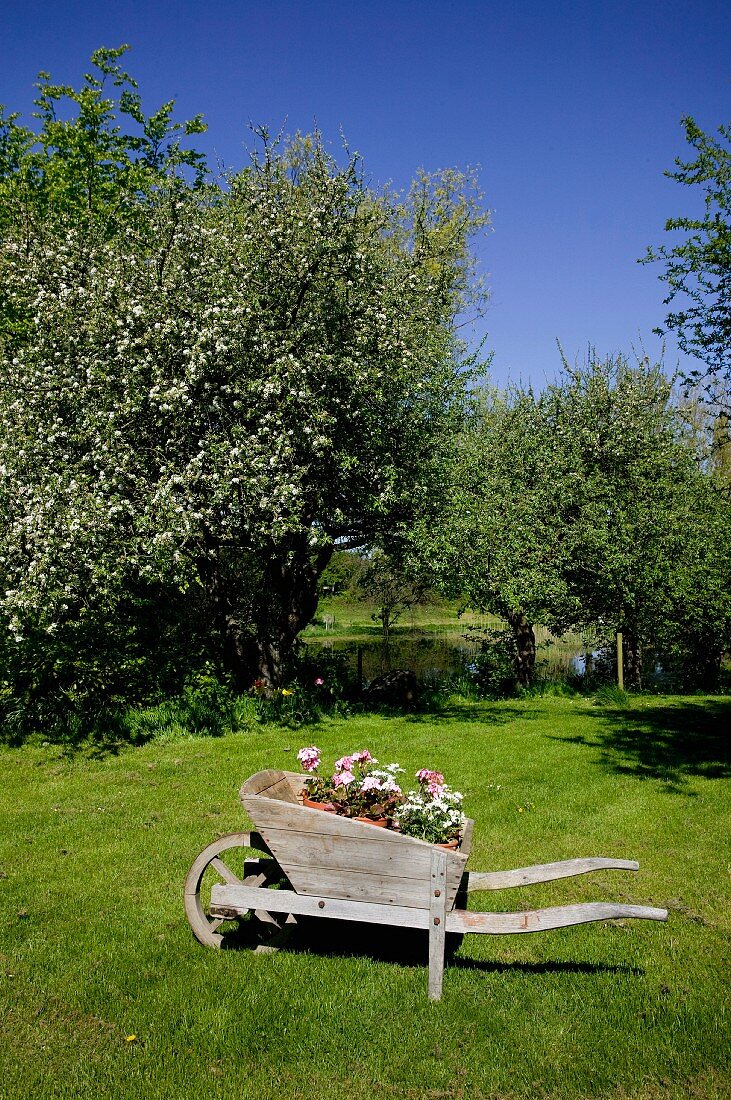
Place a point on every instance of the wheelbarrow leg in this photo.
(437, 922)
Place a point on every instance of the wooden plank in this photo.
(360, 886)
(540, 920)
(437, 922)
(296, 819)
(349, 853)
(243, 898)
(545, 872)
(273, 783)
(466, 845)
(240, 899)
(261, 781)
(296, 783)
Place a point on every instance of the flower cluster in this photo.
(358, 788)
(432, 815)
(348, 769)
(309, 758)
(433, 781)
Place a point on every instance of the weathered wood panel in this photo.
(437, 922)
(227, 899)
(466, 845)
(297, 783)
(350, 853)
(360, 886)
(273, 783)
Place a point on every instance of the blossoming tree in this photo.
(213, 397)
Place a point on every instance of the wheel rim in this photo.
(232, 859)
(229, 859)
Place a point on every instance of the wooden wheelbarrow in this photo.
(313, 863)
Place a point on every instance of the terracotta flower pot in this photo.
(452, 845)
(381, 822)
(312, 805)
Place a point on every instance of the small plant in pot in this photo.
(433, 812)
(364, 792)
(318, 790)
(356, 789)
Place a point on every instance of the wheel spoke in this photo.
(225, 872)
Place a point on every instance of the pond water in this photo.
(430, 654)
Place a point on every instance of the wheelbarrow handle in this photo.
(544, 872)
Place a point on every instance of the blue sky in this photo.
(570, 109)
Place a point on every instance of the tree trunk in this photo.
(260, 605)
(240, 654)
(270, 661)
(588, 664)
(282, 607)
(710, 668)
(525, 644)
(385, 617)
(632, 651)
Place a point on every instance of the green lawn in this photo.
(95, 947)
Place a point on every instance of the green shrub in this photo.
(610, 695)
(494, 665)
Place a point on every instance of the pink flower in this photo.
(363, 757)
(341, 779)
(430, 777)
(309, 758)
(344, 764)
(372, 783)
(435, 789)
(319, 682)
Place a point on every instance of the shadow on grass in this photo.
(118, 731)
(472, 713)
(334, 939)
(669, 743)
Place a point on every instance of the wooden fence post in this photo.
(620, 663)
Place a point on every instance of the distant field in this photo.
(105, 994)
(355, 620)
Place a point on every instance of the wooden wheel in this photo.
(227, 860)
